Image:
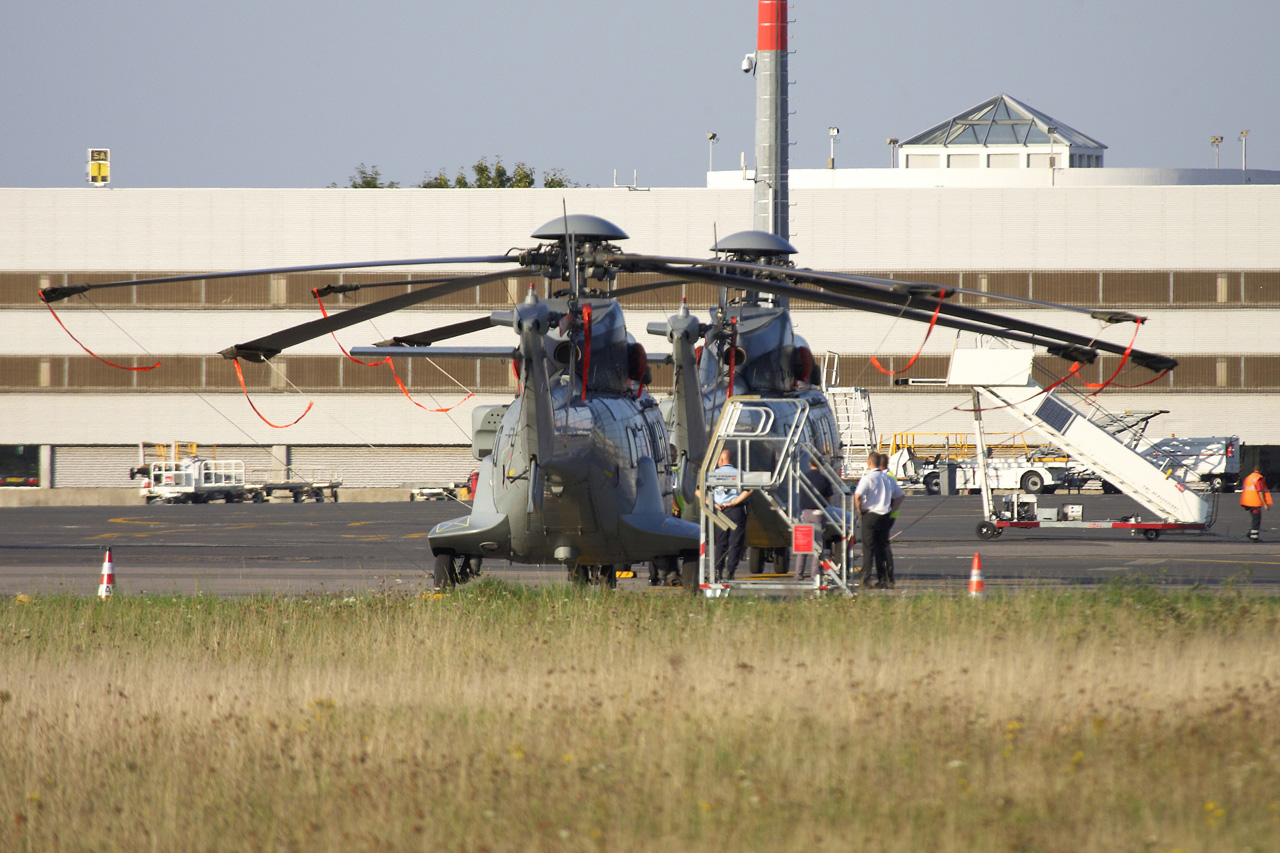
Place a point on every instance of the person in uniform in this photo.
(732, 502)
(878, 495)
(1255, 497)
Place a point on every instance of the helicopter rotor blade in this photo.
(864, 297)
(264, 348)
(1055, 343)
(887, 285)
(62, 291)
(440, 333)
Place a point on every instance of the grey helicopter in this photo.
(576, 468)
(750, 347)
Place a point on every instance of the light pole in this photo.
(893, 151)
(1215, 141)
(833, 132)
(712, 139)
(1244, 150)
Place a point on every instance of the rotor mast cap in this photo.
(582, 226)
(760, 244)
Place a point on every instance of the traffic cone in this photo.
(107, 586)
(977, 589)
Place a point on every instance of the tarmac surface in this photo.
(245, 549)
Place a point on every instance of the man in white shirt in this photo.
(877, 497)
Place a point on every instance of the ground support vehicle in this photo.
(174, 479)
(763, 434)
(194, 480)
(298, 490)
(1000, 379)
(1031, 477)
(436, 490)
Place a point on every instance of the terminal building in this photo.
(1001, 199)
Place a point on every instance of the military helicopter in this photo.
(750, 347)
(575, 470)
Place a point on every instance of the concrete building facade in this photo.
(1197, 257)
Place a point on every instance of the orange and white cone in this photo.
(107, 586)
(977, 589)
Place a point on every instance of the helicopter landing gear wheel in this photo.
(471, 568)
(580, 575)
(1151, 535)
(689, 575)
(609, 577)
(987, 530)
(445, 575)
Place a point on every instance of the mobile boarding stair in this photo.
(763, 434)
(1000, 379)
(854, 421)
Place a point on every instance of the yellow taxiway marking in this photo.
(415, 535)
(132, 520)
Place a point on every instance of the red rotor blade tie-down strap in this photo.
(586, 348)
(387, 361)
(316, 293)
(932, 322)
(1137, 324)
(405, 391)
(240, 375)
(85, 348)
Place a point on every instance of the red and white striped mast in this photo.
(771, 196)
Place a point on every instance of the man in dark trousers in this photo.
(731, 501)
(1255, 497)
(878, 496)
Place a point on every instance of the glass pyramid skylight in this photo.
(1003, 121)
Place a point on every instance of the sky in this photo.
(283, 93)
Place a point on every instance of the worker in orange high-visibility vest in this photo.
(1255, 497)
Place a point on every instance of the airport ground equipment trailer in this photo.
(175, 479)
(194, 480)
(1000, 379)
(763, 436)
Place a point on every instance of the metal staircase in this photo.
(1001, 380)
(854, 421)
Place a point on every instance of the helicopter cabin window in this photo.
(654, 432)
(823, 437)
(633, 441)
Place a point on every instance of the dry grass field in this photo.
(504, 718)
